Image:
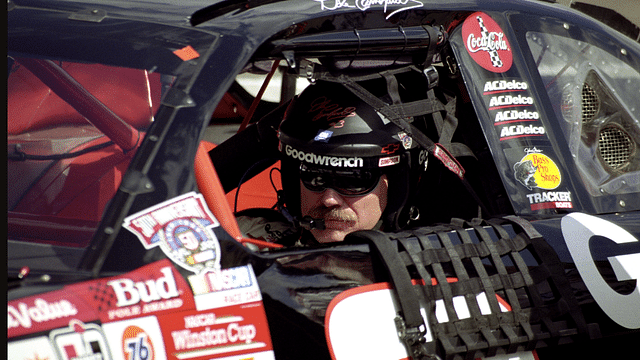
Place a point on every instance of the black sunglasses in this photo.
(345, 182)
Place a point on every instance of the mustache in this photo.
(332, 214)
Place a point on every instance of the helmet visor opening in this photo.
(346, 182)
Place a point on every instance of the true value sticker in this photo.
(182, 227)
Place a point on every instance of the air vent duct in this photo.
(590, 103)
(615, 147)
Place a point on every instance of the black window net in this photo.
(530, 299)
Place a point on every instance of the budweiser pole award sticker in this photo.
(182, 227)
(487, 43)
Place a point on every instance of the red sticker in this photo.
(487, 43)
(239, 330)
(45, 312)
(187, 53)
(152, 289)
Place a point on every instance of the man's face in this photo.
(343, 214)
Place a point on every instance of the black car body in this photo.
(547, 101)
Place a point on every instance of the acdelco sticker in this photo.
(578, 230)
(537, 170)
(486, 43)
(517, 131)
(182, 228)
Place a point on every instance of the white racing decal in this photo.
(513, 131)
(509, 100)
(188, 339)
(366, 4)
(549, 196)
(129, 292)
(42, 311)
(323, 159)
(511, 115)
(504, 85)
(577, 230)
(488, 41)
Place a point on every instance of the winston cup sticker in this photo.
(487, 43)
(182, 227)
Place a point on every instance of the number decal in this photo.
(139, 348)
(577, 230)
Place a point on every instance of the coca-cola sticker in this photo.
(487, 43)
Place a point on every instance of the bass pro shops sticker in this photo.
(486, 43)
(537, 170)
(182, 227)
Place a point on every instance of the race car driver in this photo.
(345, 167)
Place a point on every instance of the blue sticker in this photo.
(323, 135)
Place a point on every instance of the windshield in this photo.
(558, 104)
(595, 97)
(72, 130)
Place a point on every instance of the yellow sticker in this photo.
(537, 170)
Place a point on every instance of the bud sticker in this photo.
(152, 289)
(182, 228)
(487, 43)
(537, 170)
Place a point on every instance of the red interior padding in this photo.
(31, 105)
(211, 189)
(79, 187)
(257, 192)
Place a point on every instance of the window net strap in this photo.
(498, 286)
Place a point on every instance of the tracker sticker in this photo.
(486, 43)
(182, 227)
(80, 341)
(550, 200)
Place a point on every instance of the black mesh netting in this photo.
(530, 299)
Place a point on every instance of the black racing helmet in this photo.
(329, 130)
